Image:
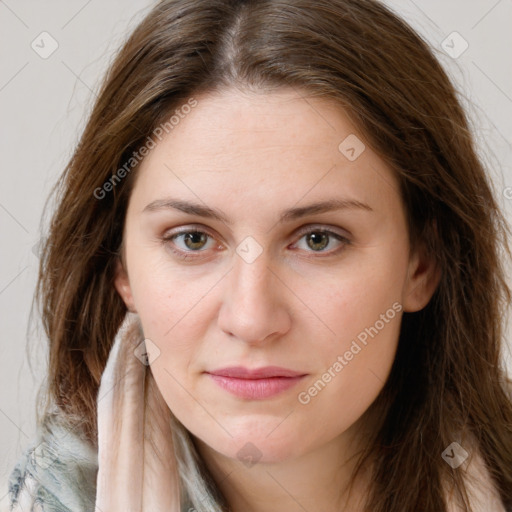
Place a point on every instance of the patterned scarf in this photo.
(134, 468)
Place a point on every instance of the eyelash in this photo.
(188, 255)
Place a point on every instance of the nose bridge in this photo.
(252, 284)
(253, 308)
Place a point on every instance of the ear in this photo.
(122, 284)
(423, 276)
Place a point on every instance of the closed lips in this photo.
(257, 384)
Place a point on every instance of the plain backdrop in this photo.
(45, 99)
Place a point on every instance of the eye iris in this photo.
(192, 237)
(317, 238)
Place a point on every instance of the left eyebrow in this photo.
(286, 216)
(322, 207)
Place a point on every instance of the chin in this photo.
(251, 447)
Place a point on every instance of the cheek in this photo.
(356, 301)
(169, 299)
(364, 312)
(172, 314)
(352, 375)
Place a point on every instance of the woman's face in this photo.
(300, 261)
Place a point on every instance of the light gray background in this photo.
(44, 104)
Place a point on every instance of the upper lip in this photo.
(240, 372)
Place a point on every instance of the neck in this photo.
(317, 480)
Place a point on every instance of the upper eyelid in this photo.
(323, 227)
(304, 229)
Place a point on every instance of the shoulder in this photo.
(57, 472)
(482, 492)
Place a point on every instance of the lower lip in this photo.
(256, 389)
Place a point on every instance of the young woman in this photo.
(277, 233)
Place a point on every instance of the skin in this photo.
(298, 305)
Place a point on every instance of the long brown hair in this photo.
(447, 378)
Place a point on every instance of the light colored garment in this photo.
(45, 481)
(134, 468)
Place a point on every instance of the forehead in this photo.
(265, 147)
(276, 121)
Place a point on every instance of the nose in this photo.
(254, 307)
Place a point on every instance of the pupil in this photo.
(318, 238)
(189, 237)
